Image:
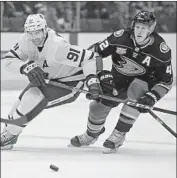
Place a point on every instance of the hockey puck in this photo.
(54, 168)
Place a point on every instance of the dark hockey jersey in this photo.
(151, 63)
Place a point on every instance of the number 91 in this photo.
(73, 55)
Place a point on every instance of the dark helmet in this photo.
(145, 17)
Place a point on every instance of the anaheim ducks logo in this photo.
(129, 67)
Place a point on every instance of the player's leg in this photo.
(30, 103)
(127, 117)
(98, 112)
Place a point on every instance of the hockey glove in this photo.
(34, 73)
(94, 87)
(149, 99)
(108, 87)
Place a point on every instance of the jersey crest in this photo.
(128, 67)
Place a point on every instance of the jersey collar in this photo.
(150, 42)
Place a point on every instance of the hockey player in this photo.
(42, 54)
(141, 71)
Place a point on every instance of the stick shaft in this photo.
(162, 123)
(23, 120)
(100, 95)
(112, 98)
(165, 111)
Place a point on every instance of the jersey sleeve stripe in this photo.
(14, 53)
(167, 87)
(10, 57)
(19, 113)
(91, 56)
(82, 57)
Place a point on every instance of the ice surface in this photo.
(149, 152)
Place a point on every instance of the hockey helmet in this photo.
(35, 22)
(145, 17)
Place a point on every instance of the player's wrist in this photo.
(27, 67)
(92, 79)
(154, 95)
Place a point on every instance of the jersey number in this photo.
(73, 54)
(104, 45)
(169, 70)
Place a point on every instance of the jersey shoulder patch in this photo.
(119, 33)
(164, 47)
(160, 49)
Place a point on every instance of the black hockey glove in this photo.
(108, 87)
(34, 73)
(94, 87)
(149, 99)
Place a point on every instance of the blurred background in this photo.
(88, 16)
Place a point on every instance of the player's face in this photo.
(37, 37)
(141, 32)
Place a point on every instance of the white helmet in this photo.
(35, 22)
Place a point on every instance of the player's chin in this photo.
(139, 39)
(36, 43)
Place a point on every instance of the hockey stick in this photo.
(118, 100)
(23, 120)
(20, 121)
(62, 85)
(111, 98)
(162, 123)
(165, 111)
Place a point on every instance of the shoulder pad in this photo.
(119, 37)
(163, 51)
(164, 47)
(119, 33)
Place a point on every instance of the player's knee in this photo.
(35, 92)
(137, 89)
(31, 92)
(29, 100)
(130, 112)
(98, 109)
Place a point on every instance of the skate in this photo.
(8, 140)
(114, 141)
(85, 139)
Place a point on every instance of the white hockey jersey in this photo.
(57, 58)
